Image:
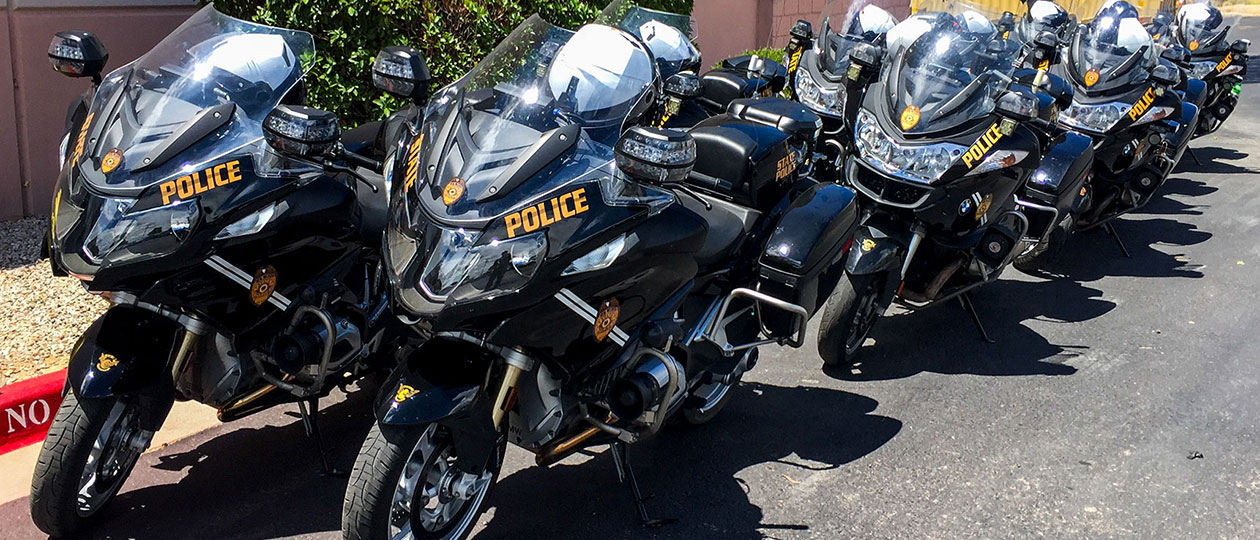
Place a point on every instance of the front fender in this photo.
(874, 252)
(127, 350)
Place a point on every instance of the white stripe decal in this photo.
(239, 276)
(587, 312)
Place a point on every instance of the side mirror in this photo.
(1240, 46)
(1166, 74)
(1006, 23)
(1047, 40)
(683, 85)
(866, 55)
(1017, 106)
(656, 155)
(402, 71)
(802, 30)
(302, 132)
(76, 53)
(1176, 54)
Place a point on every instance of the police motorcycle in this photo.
(1127, 100)
(944, 140)
(575, 277)
(823, 80)
(239, 276)
(1213, 59)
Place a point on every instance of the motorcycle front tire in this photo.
(848, 316)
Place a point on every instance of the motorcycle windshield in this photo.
(1201, 27)
(945, 68)
(542, 110)
(669, 36)
(1112, 53)
(845, 24)
(631, 16)
(209, 60)
(1040, 16)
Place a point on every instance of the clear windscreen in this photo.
(209, 60)
(949, 69)
(1112, 52)
(540, 81)
(631, 16)
(1040, 16)
(1202, 28)
(847, 23)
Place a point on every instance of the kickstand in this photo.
(625, 474)
(965, 300)
(310, 421)
(1193, 156)
(1111, 229)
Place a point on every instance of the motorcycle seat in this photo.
(729, 225)
(784, 115)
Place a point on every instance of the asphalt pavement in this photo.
(1120, 401)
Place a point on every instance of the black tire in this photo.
(1039, 260)
(697, 416)
(848, 317)
(366, 511)
(63, 461)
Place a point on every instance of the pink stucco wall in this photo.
(33, 97)
(729, 27)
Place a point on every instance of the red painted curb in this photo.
(27, 409)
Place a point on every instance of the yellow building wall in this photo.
(1083, 9)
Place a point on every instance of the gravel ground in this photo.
(42, 315)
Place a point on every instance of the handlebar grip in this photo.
(362, 161)
(710, 182)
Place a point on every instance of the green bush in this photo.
(767, 53)
(453, 35)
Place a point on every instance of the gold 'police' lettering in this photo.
(546, 213)
(1142, 104)
(200, 182)
(982, 145)
(1229, 58)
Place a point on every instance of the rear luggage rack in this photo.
(714, 325)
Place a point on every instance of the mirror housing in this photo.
(1047, 40)
(1240, 46)
(1176, 54)
(656, 155)
(866, 55)
(76, 53)
(1017, 106)
(402, 71)
(1166, 74)
(303, 132)
(684, 85)
(802, 30)
(1006, 22)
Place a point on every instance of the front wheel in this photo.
(405, 486)
(91, 447)
(1042, 256)
(850, 313)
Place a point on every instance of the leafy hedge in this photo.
(453, 34)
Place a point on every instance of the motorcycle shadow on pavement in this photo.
(701, 475)
(942, 338)
(248, 483)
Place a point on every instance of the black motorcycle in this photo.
(576, 278)
(827, 82)
(239, 276)
(1127, 100)
(944, 140)
(1213, 59)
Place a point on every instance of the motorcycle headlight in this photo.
(460, 269)
(812, 94)
(124, 236)
(1097, 118)
(1153, 114)
(921, 163)
(1199, 70)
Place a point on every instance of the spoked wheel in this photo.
(713, 396)
(90, 450)
(848, 317)
(405, 485)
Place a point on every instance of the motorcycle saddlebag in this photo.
(801, 259)
(747, 163)
(1060, 179)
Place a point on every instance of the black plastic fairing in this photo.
(205, 122)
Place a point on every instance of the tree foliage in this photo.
(452, 34)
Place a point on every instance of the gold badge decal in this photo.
(909, 117)
(453, 191)
(1091, 77)
(264, 284)
(404, 392)
(1194, 45)
(111, 161)
(606, 319)
(106, 362)
(984, 206)
(868, 244)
